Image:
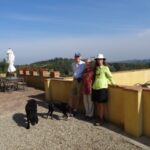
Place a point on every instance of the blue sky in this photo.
(43, 29)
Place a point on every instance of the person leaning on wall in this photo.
(87, 79)
(102, 76)
(78, 67)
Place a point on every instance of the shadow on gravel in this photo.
(44, 115)
(20, 119)
(40, 98)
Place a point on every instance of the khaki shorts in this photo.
(76, 88)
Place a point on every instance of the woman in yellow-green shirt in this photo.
(102, 77)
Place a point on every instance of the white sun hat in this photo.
(100, 56)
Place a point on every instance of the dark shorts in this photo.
(100, 96)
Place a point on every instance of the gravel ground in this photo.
(74, 134)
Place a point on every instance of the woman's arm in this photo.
(109, 75)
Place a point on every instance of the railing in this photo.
(11, 84)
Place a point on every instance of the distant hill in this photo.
(60, 64)
(64, 65)
(130, 65)
(134, 61)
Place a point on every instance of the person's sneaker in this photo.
(97, 124)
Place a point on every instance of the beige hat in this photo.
(100, 56)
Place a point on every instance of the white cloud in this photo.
(144, 33)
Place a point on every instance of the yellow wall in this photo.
(35, 81)
(2, 74)
(133, 111)
(124, 105)
(146, 112)
(116, 105)
(47, 89)
(132, 77)
(121, 78)
(60, 90)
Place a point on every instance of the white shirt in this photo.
(78, 69)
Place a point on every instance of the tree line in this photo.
(64, 65)
(3, 66)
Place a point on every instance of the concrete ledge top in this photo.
(133, 88)
(125, 87)
(126, 71)
(60, 79)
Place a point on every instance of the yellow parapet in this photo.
(116, 105)
(133, 111)
(127, 78)
(146, 111)
(47, 89)
(61, 89)
(124, 106)
(35, 81)
(58, 89)
(131, 77)
(2, 74)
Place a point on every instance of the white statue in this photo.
(11, 60)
